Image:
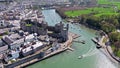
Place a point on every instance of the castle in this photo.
(58, 31)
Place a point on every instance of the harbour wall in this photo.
(24, 60)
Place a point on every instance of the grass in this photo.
(98, 11)
(77, 12)
(0, 37)
(104, 40)
(116, 53)
(98, 15)
(28, 25)
(113, 47)
(103, 1)
(109, 2)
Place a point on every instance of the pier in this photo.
(78, 41)
(69, 48)
(74, 36)
(97, 42)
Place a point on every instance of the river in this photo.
(93, 58)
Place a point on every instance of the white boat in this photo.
(80, 57)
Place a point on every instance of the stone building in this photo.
(58, 31)
(33, 26)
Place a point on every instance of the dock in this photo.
(74, 36)
(78, 41)
(97, 42)
(69, 48)
(94, 40)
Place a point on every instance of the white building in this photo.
(15, 40)
(32, 48)
(4, 23)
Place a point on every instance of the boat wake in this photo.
(91, 52)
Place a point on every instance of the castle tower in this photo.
(64, 33)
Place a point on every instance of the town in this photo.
(59, 33)
(25, 36)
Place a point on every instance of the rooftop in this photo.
(36, 45)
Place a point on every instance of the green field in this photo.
(98, 11)
(110, 2)
(77, 12)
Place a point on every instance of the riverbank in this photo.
(69, 59)
(97, 23)
(108, 49)
(77, 19)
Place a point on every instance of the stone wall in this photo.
(24, 60)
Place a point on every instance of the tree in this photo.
(93, 21)
(117, 47)
(107, 27)
(115, 23)
(114, 37)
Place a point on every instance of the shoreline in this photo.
(108, 50)
(72, 19)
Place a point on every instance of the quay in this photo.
(45, 57)
(82, 41)
(35, 58)
(69, 48)
(74, 35)
(65, 46)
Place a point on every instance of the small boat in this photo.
(80, 57)
(98, 46)
(83, 42)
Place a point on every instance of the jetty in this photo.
(69, 48)
(97, 42)
(74, 36)
(78, 41)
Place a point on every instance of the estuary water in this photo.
(92, 57)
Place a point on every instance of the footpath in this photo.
(108, 50)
